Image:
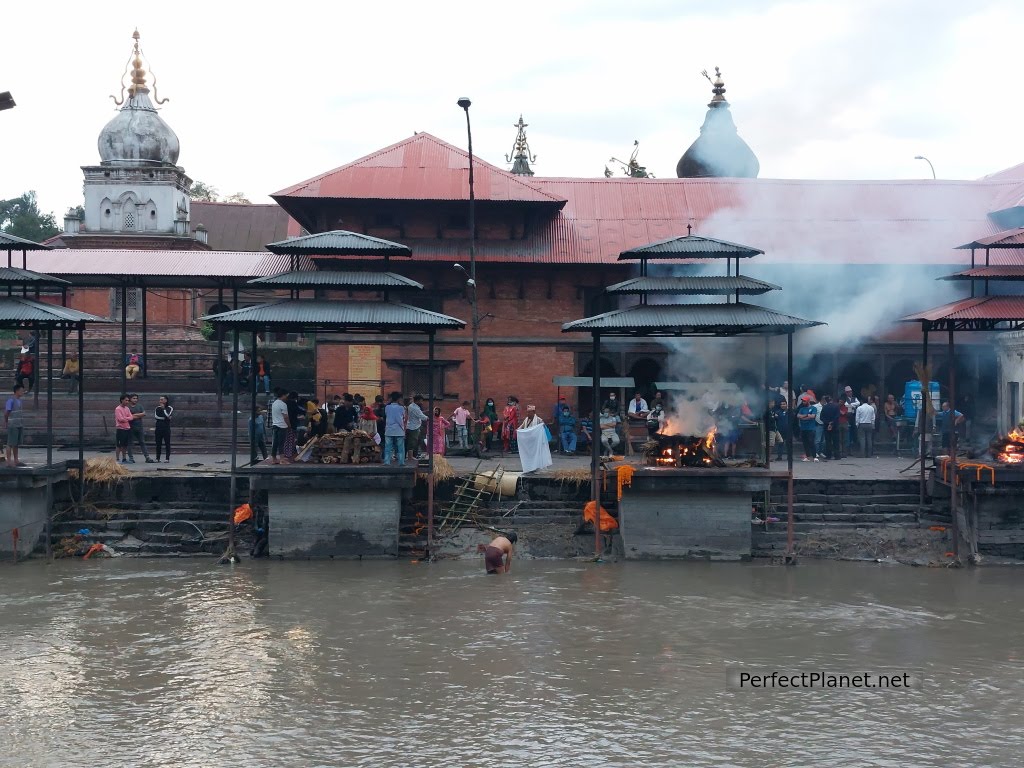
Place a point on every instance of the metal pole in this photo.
(252, 405)
(465, 104)
(220, 357)
(430, 446)
(922, 416)
(124, 338)
(595, 446)
(789, 449)
(145, 360)
(49, 398)
(234, 447)
(767, 408)
(64, 332)
(952, 450)
(81, 417)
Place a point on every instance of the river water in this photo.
(183, 663)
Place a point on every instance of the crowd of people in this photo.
(129, 429)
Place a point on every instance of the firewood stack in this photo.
(355, 447)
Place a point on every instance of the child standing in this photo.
(163, 427)
(461, 416)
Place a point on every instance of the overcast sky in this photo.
(263, 95)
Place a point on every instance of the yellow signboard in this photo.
(364, 370)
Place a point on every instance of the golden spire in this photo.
(717, 87)
(138, 76)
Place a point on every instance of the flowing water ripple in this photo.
(132, 663)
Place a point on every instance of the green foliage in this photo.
(20, 216)
(203, 192)
(237, 197)
(207, 330)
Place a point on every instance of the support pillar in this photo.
(234, 449)
(953, 512)
(81, 417)
(922, 416)
(595, 445)
(145, 359)
(789, 452)
(430, 446)
(124, 338)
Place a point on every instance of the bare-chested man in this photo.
(498, 554)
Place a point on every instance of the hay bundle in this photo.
(576, 476)
(103, 471)
(443, 469)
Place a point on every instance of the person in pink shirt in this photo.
(440, 426)
(461, 416)
(123, 429)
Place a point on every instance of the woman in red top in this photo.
(509, 420)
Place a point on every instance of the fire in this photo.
(709, 439)
(1010, 449)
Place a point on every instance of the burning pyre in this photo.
(1009, 449)
(683, 451)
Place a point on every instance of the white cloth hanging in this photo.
(534, 452)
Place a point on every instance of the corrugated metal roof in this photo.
(21, 310)
(15, 243)
(241, 226)
(329, 278)
(1002, 272)
(990, 308)
(338, 316)
(180, 269)
(421, 167)
(691, 247)
(1008, 238)
(16, 276)
(696, 285)
(339, 242)
(684, 319)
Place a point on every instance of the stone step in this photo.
(181, 527)
(875, 498)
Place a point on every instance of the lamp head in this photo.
(464, 102)
(457, 265)
(471, 283)
(919, 157)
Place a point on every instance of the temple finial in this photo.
(138, 76)
(521, 157)
(717, 86)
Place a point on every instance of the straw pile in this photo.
(103, 471)
(576, 476)
(443, 470)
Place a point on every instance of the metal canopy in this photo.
(339, 243)
(691, 247)
(338, 279)
(1007, 272)
(336, 317)
(695, 386)
(587, 382)
(694, 286)
(690, 320)
(1008, 238)
(15, 311)
(980, 313)
(16, 276)
(15, 243)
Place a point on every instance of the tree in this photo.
(207, 193)
(203, 192)
(20, 216)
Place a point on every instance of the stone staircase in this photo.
(148, 529)
(839, 510)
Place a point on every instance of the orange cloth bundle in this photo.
(608, 523)
(242, 513)
(624, 477)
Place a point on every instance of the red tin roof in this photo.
(1007, 239)
(1001, 272)
(421, 167)
(992, 308)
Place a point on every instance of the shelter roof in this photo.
(690, 320)
(1008, 238)
(421, 167)
(341, 243)
(698, 285)
(167, 269)
(334, 278)
(691, 247)
(336, 316)
(985, 309)
(18, 310)
(15, 243)
(17, 276)
(1002, 272)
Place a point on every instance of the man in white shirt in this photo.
(638, 409)
(866, 429)
(279, 420)
(413, 427)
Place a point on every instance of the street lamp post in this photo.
(922, 157)
(465, 104)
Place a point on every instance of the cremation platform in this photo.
(691, 513)
(332, 510)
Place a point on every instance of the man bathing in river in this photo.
(498, 554)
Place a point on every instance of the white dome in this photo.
(138, 134)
